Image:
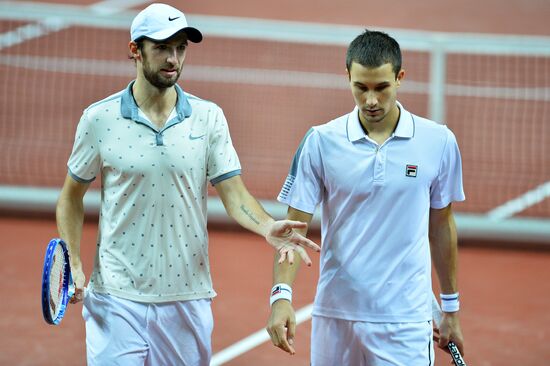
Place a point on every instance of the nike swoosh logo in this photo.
(191, 137)
(171, 19)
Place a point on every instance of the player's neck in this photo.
(149, 97)
(157, 104)
(382, 130)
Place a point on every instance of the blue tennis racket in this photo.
(57, 282)
(453, 349)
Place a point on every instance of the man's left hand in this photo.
(286, 240)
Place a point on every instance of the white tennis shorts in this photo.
(124, 332)
(344, 342)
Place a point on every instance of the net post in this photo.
(436, 98)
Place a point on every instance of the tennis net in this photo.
(274, 80)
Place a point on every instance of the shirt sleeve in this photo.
(448, 185)
(223, 161)
(302, 189)
(84, 162)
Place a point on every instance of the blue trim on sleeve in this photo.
(225, 176)
(80, 180)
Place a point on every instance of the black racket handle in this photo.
(455, 354)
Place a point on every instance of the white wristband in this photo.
(449, 302)
(280, 291)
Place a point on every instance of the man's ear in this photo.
(400, 76)
(134, 50)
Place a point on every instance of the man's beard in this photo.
(156, 79)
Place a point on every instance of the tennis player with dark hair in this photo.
(155, 147)
(385, 180)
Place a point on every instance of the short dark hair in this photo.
(374, 49)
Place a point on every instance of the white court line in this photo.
(521, 203)
(254, 340)
(31, 31)
(55, 24)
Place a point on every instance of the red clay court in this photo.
(504, 310)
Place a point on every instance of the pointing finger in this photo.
(305, 242)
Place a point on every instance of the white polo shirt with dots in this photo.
(152, 243)
(375, 202)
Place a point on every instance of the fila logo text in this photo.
(411, 170)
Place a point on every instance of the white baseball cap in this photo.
(161, 21)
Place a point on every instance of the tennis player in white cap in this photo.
(155, 148)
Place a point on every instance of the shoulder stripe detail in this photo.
(296, 159)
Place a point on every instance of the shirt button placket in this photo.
(379, 165)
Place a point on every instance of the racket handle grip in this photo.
(455, 354)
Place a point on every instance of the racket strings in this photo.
(57, 280)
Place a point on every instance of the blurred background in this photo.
(277, 68)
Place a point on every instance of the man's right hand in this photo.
(79, 280)
(282, 325)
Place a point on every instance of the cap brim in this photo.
(193, 34)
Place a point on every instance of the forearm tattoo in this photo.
(250, 215)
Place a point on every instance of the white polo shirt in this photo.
(152, 243)
(375, 202)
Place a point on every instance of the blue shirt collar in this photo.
(129, 108)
